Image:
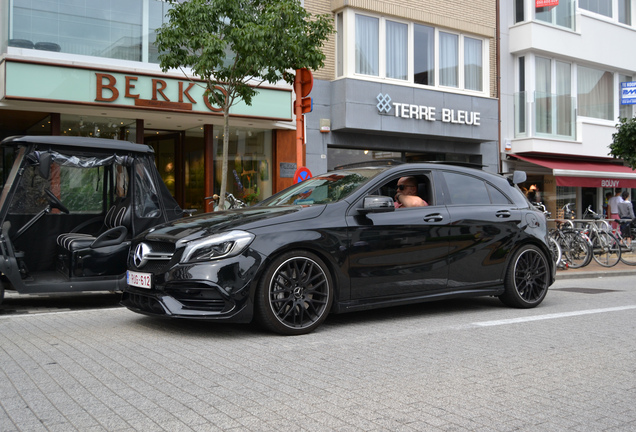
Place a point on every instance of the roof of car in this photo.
(74, 141)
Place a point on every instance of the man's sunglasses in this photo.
(402, 187)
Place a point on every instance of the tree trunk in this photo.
(226, 145)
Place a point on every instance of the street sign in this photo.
(302, 174)
(628, 93)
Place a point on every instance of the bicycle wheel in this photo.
(628, 251)
(577, 249)
(607, 251)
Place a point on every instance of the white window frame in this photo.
(614, 17)
(348, 54)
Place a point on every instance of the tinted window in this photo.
(464, 189)
(496, 197)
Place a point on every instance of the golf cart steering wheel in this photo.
(55, 202)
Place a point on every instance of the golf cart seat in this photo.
(83, 254)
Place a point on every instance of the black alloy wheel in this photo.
(527, 279)
(295, 294)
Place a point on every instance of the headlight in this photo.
(217, 246)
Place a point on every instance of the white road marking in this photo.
(552, 316)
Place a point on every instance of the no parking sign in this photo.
(302, 174)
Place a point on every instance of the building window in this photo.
(625, 111)
(618, 10)
(601, 7)
(520, 99)
(117, 30)
(367, 49)
(519, 11)
(397, 54)
(412, 53)
(561, 15)
(424, 54)
(339, 45)
(595, 93)
(554, 104)
(625, 12)
(448, 59)
(473, 64)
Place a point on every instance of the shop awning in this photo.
(586, 174)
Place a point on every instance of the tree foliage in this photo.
(623, 144)
(236, 45)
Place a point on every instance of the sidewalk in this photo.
(594, 269)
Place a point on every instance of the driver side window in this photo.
(424, 187)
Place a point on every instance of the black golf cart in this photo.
(70, 206)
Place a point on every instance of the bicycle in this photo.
(576, 247)
(606, 249)
(231, 202)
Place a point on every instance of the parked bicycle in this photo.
(231, 202)
(606, 246)
(575, 245)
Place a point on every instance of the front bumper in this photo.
(218, 290)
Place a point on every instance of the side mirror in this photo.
(377, 204)
(519, 177)
(41, 160)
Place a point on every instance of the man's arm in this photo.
(410, 200)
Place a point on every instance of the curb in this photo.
(565, 274)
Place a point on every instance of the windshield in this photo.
(323, 189)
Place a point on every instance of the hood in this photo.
(243, 219)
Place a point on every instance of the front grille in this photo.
(143, 303)
(155, 265)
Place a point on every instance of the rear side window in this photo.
(468, 190)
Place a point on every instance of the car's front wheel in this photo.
(527, 279)
(295, 294)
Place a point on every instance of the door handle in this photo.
(436, 217)
(503, 214)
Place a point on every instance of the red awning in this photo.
(586, 174)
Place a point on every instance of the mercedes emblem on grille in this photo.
(141, 253)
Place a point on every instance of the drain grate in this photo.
(585, 290)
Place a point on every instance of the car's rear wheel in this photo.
(527, 279)
(295, 294)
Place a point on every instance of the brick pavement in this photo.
(429, 367)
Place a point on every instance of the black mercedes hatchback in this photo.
(340, 242)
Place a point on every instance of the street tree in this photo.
(234, 46)
(623, 144)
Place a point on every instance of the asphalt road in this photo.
(568, 365)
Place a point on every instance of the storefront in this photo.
(168, 112)
(582, 183)
(363, 121)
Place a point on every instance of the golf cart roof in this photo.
(73, 141)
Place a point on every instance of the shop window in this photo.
(98, 127)
(249, 174)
